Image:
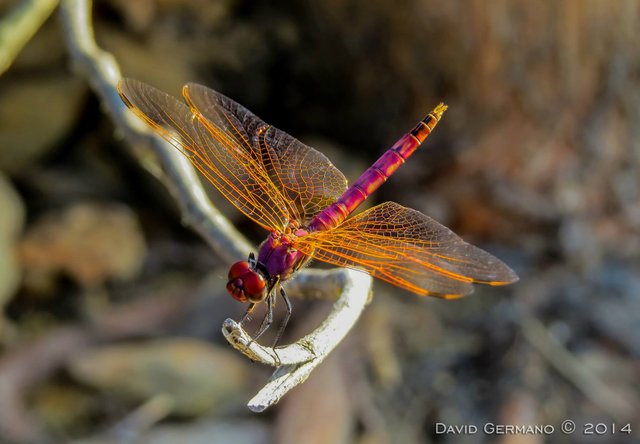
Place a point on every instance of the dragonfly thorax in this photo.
(278, 256)
(245, 283)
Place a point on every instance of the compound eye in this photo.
(238, 269)
(254, 285)
(234, 287)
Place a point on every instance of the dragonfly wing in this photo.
(408, 249)
(218, 153)
(307, 178)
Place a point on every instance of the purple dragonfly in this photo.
(296, 193)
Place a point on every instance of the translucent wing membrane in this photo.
(273, 179)
(306, 178)
(408, 249)
(222, 157)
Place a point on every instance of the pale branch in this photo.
(176, 172)
(19, 25)
(348, 285)
(294, 361)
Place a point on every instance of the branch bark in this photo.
(294, 362)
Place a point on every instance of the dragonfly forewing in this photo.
(219, 155)
(307, 179)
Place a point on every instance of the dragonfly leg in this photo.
(285, 321)
(246, 317)
(268, 318)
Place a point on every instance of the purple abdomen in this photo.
(377, 174)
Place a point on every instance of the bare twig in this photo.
(178, 175)
(320, 342)
(316, 345)
(19, 25)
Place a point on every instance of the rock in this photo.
(90, 242)
(198, 377)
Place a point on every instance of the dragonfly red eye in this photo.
(238, 269)
(245, 284)
(254, 286)
(234, 288)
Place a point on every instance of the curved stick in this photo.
(174, 169)
(298, 359)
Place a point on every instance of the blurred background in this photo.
(112, 308)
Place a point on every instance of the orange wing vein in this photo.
(408, 249)
(306, 178)
(267, 174)
(217, 154)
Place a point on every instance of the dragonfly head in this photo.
(246, 284)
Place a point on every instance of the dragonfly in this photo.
(306, 205)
